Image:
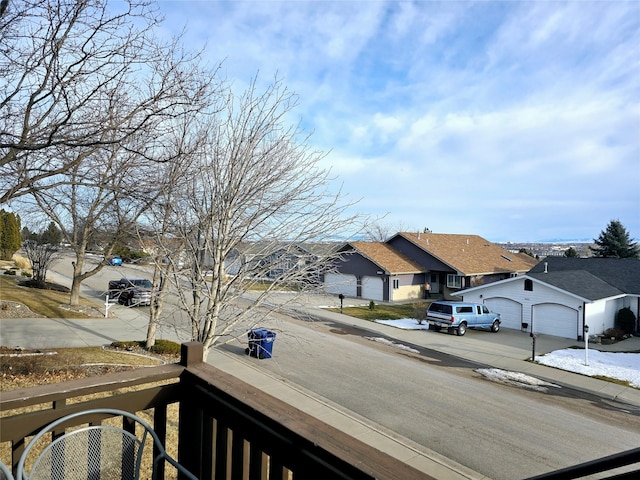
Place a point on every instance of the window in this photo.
(528, 285)
(440, 308)
(396, 284)
(464, 309)
(454, 281)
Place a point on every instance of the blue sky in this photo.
(513, 120)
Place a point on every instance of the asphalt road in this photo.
(435, 400)
(440, 402)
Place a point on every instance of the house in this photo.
(272, 259)
(399, 268)
(375, 271)
(561, 295)
(452, 262)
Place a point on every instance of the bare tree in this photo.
(65, 64)
(378, 231)
(254, 202)
(104, 193)
(40, 255)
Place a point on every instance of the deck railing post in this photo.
(191, 353)
(190, 429)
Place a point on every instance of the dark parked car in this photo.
(131, 291)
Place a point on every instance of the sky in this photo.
(512, 120)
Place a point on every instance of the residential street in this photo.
(439, 402)
(434, 400)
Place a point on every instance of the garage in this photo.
(509, 310)
(555, 319)
(341, 283)
(372, 288)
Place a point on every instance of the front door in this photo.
(433, 280)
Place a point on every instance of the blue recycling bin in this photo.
(260, 343)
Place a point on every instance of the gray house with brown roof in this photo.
(399, 268)
(375, 271)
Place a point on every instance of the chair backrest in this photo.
(91, 452)
(5, 472)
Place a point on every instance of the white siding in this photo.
(513, 289)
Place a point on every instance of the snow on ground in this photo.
(516, 379)
(384, 341)
(405, 324)
(618, 365)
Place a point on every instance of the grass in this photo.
(42, 302)
(39, 367)
(385, 312)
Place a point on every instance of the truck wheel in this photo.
(128, 302)
(462, 329)
(247, 351)
(437, 328)
(495, 327)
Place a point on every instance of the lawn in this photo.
(27, 368)
(386, 312)
(43, 302)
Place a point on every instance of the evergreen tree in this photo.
(615, 242)
(570, 252)
(52, 235)
(10, 240)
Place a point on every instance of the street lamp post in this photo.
(586, 344)
(341, 297)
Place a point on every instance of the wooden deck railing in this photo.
(226, 427)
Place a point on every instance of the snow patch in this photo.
(516, 379)
(392, 344)
(405, 324)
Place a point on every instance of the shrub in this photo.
(130, 345)
(166, 347)
(21, 262)
(614, 333)
(372, 305)
(9, 272)
(162, 347)
(625, 320)
(419, 312)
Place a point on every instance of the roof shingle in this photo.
(470, 254)
(386, 257)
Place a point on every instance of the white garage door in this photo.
(340, 283)
(554, 319)
(509, 310)
(372, 288)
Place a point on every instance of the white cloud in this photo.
(531, 109)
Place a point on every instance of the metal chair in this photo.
(94, 451)
(5, 472)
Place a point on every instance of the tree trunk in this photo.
(76, 283)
